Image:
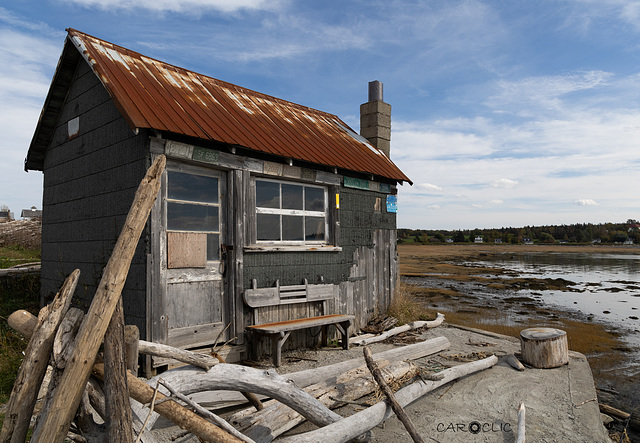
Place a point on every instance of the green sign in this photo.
(358, 183)
(205, 155)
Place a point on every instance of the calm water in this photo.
(607, 285)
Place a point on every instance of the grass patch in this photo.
(21, 292)
(406, 307)
(16, 255)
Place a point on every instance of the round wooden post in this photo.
(544, 347)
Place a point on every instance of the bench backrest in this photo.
(283, 295)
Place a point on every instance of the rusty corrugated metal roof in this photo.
(153, 94)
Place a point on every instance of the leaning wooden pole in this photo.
(57, 419)
(25, 389)
(119, 421)
(391, 399)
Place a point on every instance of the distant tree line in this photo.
(580, 233)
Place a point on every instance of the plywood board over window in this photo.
(186, 250)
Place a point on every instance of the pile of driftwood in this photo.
(85, 385)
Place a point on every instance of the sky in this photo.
(505, 113)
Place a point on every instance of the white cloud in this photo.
(429, 187)
(504, 183)
(434, 207)
(544, 92)
(496, 202)
(586, 202)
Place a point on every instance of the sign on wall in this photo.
(392, 203)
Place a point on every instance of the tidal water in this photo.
(606, 289)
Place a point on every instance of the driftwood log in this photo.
(544, 347)
(359, 423)
(514, 362)
(175, 412)
(409, 352)
(116, 390)
(241, 378)
(203, 361)
(276, 418)
(404, 328)
(521, 424)
(206, 413)
(391, 399)
(62, 347)
(57, 419)
(23, 321)
(192, 380)
(25, 389)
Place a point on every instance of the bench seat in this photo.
(280, 331)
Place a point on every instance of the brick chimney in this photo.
(375, 119)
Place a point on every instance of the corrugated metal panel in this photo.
(153, 94)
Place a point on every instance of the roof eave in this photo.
(48, 119)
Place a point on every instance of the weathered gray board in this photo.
(356, 296)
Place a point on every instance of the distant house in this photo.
(31, 214)
(498, 241)
(527, 240)
(449, 240)
(596, 241)
(6, 216)
(628, 242)
(478, 239)
(268, 210)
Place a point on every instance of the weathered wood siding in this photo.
(364, 272)
(89, 184)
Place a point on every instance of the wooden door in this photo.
(194, 301)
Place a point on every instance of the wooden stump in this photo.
(544, 347)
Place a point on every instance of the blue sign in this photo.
(392, 203)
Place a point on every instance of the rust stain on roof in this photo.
(153, 94)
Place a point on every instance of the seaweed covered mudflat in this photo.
(464, 283)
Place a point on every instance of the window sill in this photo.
(292, 248)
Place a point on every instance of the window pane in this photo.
(192, 187)
(292, 228)
(267, 194)
(268, 227)
(188, 217)
(314, 199)
(314, 228)
(291, 197)
(213, 247)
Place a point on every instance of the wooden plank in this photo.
(302, 323)
(186, 250)
(193, 336)
(64, 405)
(256, 298)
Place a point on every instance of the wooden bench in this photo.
(288, 295)
(280, 331)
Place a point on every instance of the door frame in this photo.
(159, 277)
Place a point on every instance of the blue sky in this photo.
(505, 113)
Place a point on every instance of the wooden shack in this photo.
(268, 210)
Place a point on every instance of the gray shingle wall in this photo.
(358, 220)
(89, 184)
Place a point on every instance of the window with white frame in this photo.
(290, 213)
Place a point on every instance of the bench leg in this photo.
(324, 342)
(277, 340)
(344, 332)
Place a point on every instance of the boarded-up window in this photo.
(186, 250)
